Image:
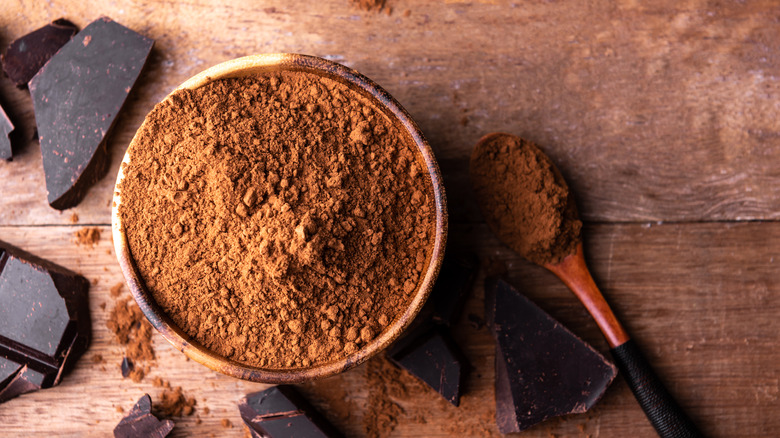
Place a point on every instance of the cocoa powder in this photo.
(172, 401)
(87, 236)
(134, 333)
(281, 221)
(524, 198)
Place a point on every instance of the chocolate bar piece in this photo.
(452, 286)
(44, 322)
(141, 423)
(280, 412)
(432, 356)
(6, 127)
(26, 55)
(77, 96)
(542, 369)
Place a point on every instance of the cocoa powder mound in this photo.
(281, 221)
(524, 198)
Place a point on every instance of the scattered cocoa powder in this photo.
(133, 331)
(335, 398)
(385, 385)
(281, 221)
(116, 290)
(74, 218)
(137, 373)
(173, 402)
(370, 5)
(87, 236)
(97, 358)
(524, 198)
(226, 423)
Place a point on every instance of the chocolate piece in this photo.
(140, 423)
(280, 412)
(542, 369)
(77, 96)
(452, 286)
(44, 321)
(432, 356)
(26, 55)
(127, 366)
(6, 127)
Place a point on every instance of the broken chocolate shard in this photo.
(542, 369)
(44, 321)
(432, 356)
(455, 281)
(141, 423)
(6, 127)
(26, 55)
(127, 367)
(280, 412)
(77, 96)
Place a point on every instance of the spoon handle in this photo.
(661, 409)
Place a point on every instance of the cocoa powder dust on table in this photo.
(524, 199)
(134, 333)
(281, 221)
(89, 236)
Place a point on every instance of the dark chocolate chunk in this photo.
(452, 286)
(6, 127)
(542, 369)
(44, 321)
(127, 366)
(280, 412)
(432, 356)
(77, 96)
(26, 55)
(141, 423)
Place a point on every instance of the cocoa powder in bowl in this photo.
(282, 221)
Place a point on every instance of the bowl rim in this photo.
(250, 65)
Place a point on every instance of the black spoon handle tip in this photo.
(661, 409)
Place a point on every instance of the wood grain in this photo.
(653, 112)
(662, 116)
(701, 299)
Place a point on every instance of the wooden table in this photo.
(664, 116)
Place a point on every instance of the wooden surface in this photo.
(664, 116)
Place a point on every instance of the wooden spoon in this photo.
(661, 409)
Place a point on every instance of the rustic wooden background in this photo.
(664, 116)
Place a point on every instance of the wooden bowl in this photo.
(252, 65)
